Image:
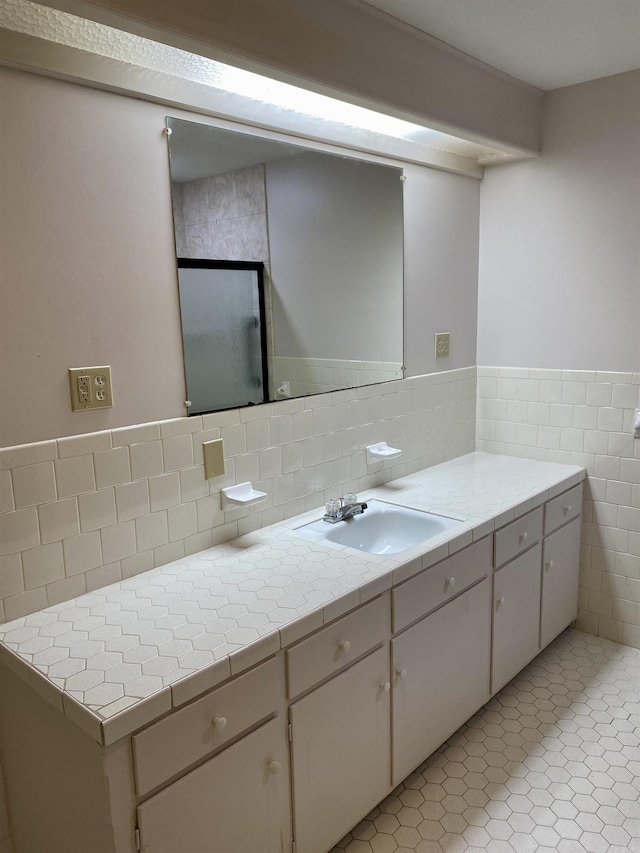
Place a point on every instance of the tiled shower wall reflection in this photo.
(585, 418)
(85, 511)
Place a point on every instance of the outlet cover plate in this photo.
(90, 388)
(442, 344)
(213, 452)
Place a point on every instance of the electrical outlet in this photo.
(442, 344)
(90, 388)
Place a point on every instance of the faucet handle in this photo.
(333, 507)
(350, 499)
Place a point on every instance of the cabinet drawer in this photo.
(566, 506)
(433, 587)
(336, 645)
(187, 735)
(517, 537)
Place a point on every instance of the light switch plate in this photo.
(442, 344)
(213, 452)
(90, 388)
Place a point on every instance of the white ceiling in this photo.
(547, 43)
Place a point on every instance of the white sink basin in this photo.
(382, 528)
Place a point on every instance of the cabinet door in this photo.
(238, 802)
(440, 675)
(516, 616)
(560, 570)
(340, 752)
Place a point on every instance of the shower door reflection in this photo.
(223, 332)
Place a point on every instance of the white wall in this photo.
(559, 326)
(559, 277)
(88, 264)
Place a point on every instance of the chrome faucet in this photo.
(343, 509)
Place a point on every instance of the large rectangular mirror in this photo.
(328, 233)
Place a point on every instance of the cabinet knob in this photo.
(385, 686)
(524, 536)
(401, 673)
(451, 582)
(344, 646)
(549, 564)
(500, 601)
(567, 508)
(274, 767)
(219, 723)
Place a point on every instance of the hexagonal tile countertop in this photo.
(116, 659)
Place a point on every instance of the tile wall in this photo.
(81, 512)
(585, 418)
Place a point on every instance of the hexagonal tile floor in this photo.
(551, 763)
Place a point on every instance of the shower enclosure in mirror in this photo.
(223, 334)
(327, 231)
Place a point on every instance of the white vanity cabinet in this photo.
(440, 675)
(560, 564)
(516, 616)
(340, 731)
(236, 801)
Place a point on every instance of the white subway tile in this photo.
(235, 439)
(164, 491)
(585, 417)
(628, 518)
(193, 484)
(42, 565)
(19, 605)
(64, 589)
(146, 459)
(11, 579)
(132, 500)
(301, 425)
(118, 541)
(182, 426)
(610, 419)
(112, 467)
(33, 484)
(177, 452)
(27, 454)
(97, 509)
(82, 552)
(83, 445)
(152, 531)
(140, 434)
(572, 439)
(281, 429)
(257, 435)
(183, 521)
(59, 520)
(560, 415)
(599, 393)
(550, 391)
(18, 531)
(74, 475)
(596, 442)
(6, 492)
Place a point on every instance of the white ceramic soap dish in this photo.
(380, 452)
(242, 495)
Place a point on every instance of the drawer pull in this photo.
(451, 582)
(344, 646)
(274, 767)
(219, 723)
(401, 673)
(523, 537)
(385, 686)
(500, 601)
(567, 508)
(548, 565)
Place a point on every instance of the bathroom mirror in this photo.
(328, 233)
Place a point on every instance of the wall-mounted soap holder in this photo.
(381, 452)
(241, 496)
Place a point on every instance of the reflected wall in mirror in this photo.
(328, 230)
